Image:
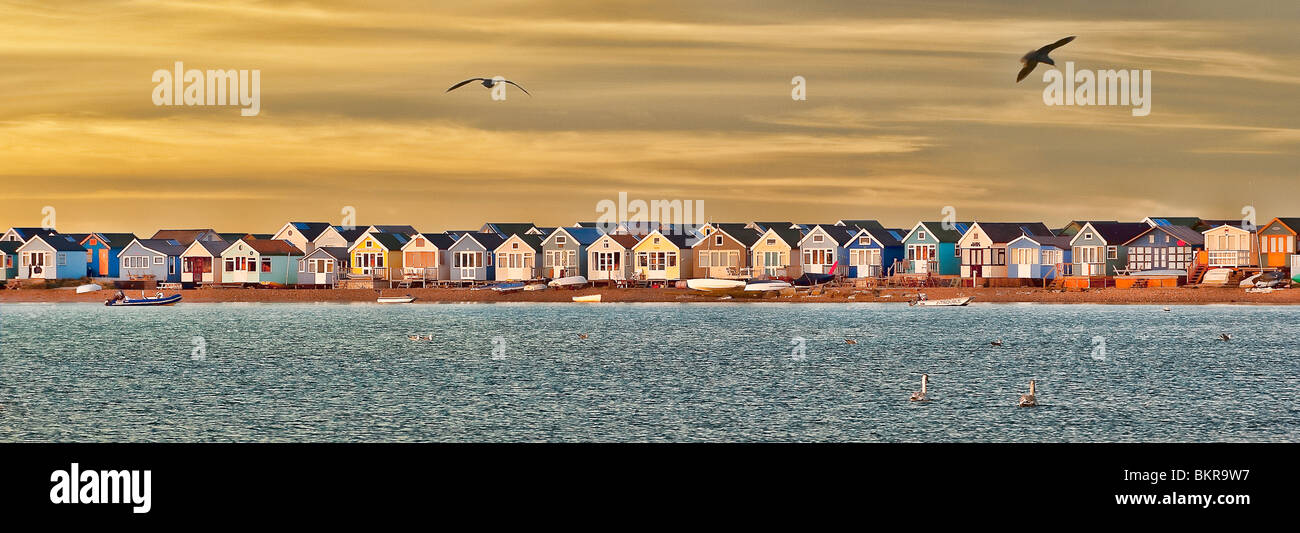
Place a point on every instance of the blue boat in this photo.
(508, 287)
(120, 300)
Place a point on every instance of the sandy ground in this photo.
(1037, 295)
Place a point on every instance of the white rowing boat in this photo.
(395, 299)
(89, 287)
(535, 287)
(767, 285)
(590, 298)
(946, 302)
(711, 284)
(571, 281)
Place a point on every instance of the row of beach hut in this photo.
(321, 254)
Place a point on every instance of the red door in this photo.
(103, 261)
(976, 262)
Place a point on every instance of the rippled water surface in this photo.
(646, 372)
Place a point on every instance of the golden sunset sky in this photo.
(912, 106)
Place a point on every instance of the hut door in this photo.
(103, 261)
(977, 262)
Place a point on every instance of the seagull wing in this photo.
(521, 87)
(1056, 44)
(1029, 67)
(458, 85)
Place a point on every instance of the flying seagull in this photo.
(489, 83)
(1034, 57)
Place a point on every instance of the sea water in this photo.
(647, 373)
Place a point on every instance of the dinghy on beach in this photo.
(766, 285)
(711, 284)
(590, 298)
(509, 287)
(570, 281)
(89, 287)
(395, 299)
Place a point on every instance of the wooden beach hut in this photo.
(425, 257)
(9, 259)
(822, 247)
(323, 266)
(661, 257)
(1164, 247)
(1039, 257)
(609, 258)
(1277, 242)
(151, 260)
(775, 254)
(931, 248)
(472, 258)
(260, 261)
(518, 257)
(1098, 249)
(306, 236)
(21, 235)
(723, 250)
(983, 247)
(201, 262)
(101, 252)
(564, 251)
(51, 256)
(874, 250)
(1230, 246)
(378, 255)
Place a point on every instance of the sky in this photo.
(911, 107)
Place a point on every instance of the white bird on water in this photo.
(920, 396)
(1028, 400)
(1034, 57)
(489, 83)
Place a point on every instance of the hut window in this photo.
(864, 241)
(157, 260)
(514, 246)
(605, 244)
(559, 240)
(329, 266)
(90, 255)
(1151, 239)
(419, 241)
(656, 241)
(1087, 236)
(920, 236)
(266, 264)
(62, 259)
(230, 264)
(771, 242)
(717, 240)
(171, 267)
(1112, 252)
(817, 238)
(306, 266)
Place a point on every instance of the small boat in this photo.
(395, 299)
(89, 287)
(813, 280)
(590, 298)
(767, 285)
(571, 281)
(535, 287)
(1248, 282)
(946, 302)
(509, 287)
(711, 284)
(1264, 290)
(120, 300)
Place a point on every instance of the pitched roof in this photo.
(788, 234)
(27, 233)
(1187, 222)
(883, 235)
(624, 240)
(508, 228)
(214, 247)
(182, 236)
(164, 246)
(489, 241)
(581, 235)
(351, 235)
(392, 241)
(1290, 222)
(1182, 233)
(841, 234)
(1061, 241)
(401, 229)
(533, 241)
(337, 252)
(940, 232)
(310, 230)
(273, 247)
(1010, 231)
(10, 247)
(739, 231)
(1116, 233)
(116, 240)
(59, 242)
(441, 241)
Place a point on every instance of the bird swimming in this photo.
(1225, 337)
(1034, 57)
(1028, 400)
(850, 341)
(582, 335)
(920, 396)
(489, 83)
(996, 343)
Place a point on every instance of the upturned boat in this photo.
(395, 299)
(590, 298)
(712, 284)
